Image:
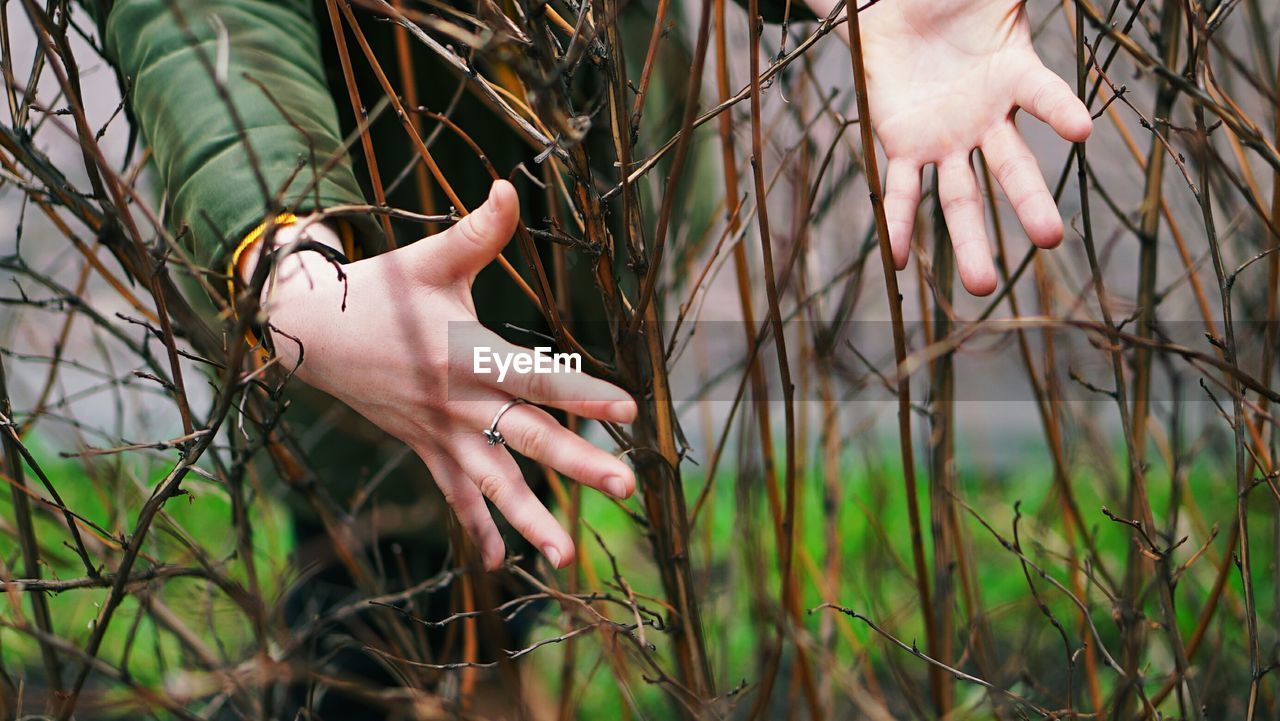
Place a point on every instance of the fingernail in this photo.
(552, 555)
(616, 486)
(488, 206)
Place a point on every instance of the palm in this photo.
(945, 77)
(924, 63)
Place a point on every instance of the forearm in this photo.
(260, 139)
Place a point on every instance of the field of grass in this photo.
(871, 576)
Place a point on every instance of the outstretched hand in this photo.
(387, 354)
(945, 77)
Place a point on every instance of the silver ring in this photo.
(491, 434)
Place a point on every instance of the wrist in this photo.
(301, 256)
(303, 302)
(289, 232)
(304, 270)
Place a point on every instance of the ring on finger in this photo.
(492, 435)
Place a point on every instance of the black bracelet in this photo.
(331, 254)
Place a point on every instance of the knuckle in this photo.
(1030, 199)
(536, 439)
(451, 497)
(437, 364)
(1061, 101)
(1008, 168)
(1044, 94)
(970, 241)
(465, 508)
(586, 465)
(473, 230)
(464, 504)
(493, 486)
(539, 387)
(474, 527)
(898, 203)
(958, 203)
(1023, 203)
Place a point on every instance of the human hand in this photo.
(945, 77)
(388, 357)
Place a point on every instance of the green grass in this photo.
(873, 530)
(874, 551)
(200, 518)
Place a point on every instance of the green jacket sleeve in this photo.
(269, 59)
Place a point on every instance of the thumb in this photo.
(1050, 99)
(462, 251)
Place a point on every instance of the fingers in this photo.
(497, 476)
(468, 505)
(537, 435)
(1049, 98)
(901, 199)
(966, 222)
(1013, 165)
(465, 249)
(554, 381)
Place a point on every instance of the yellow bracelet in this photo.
(347, 235)
(282, 220)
